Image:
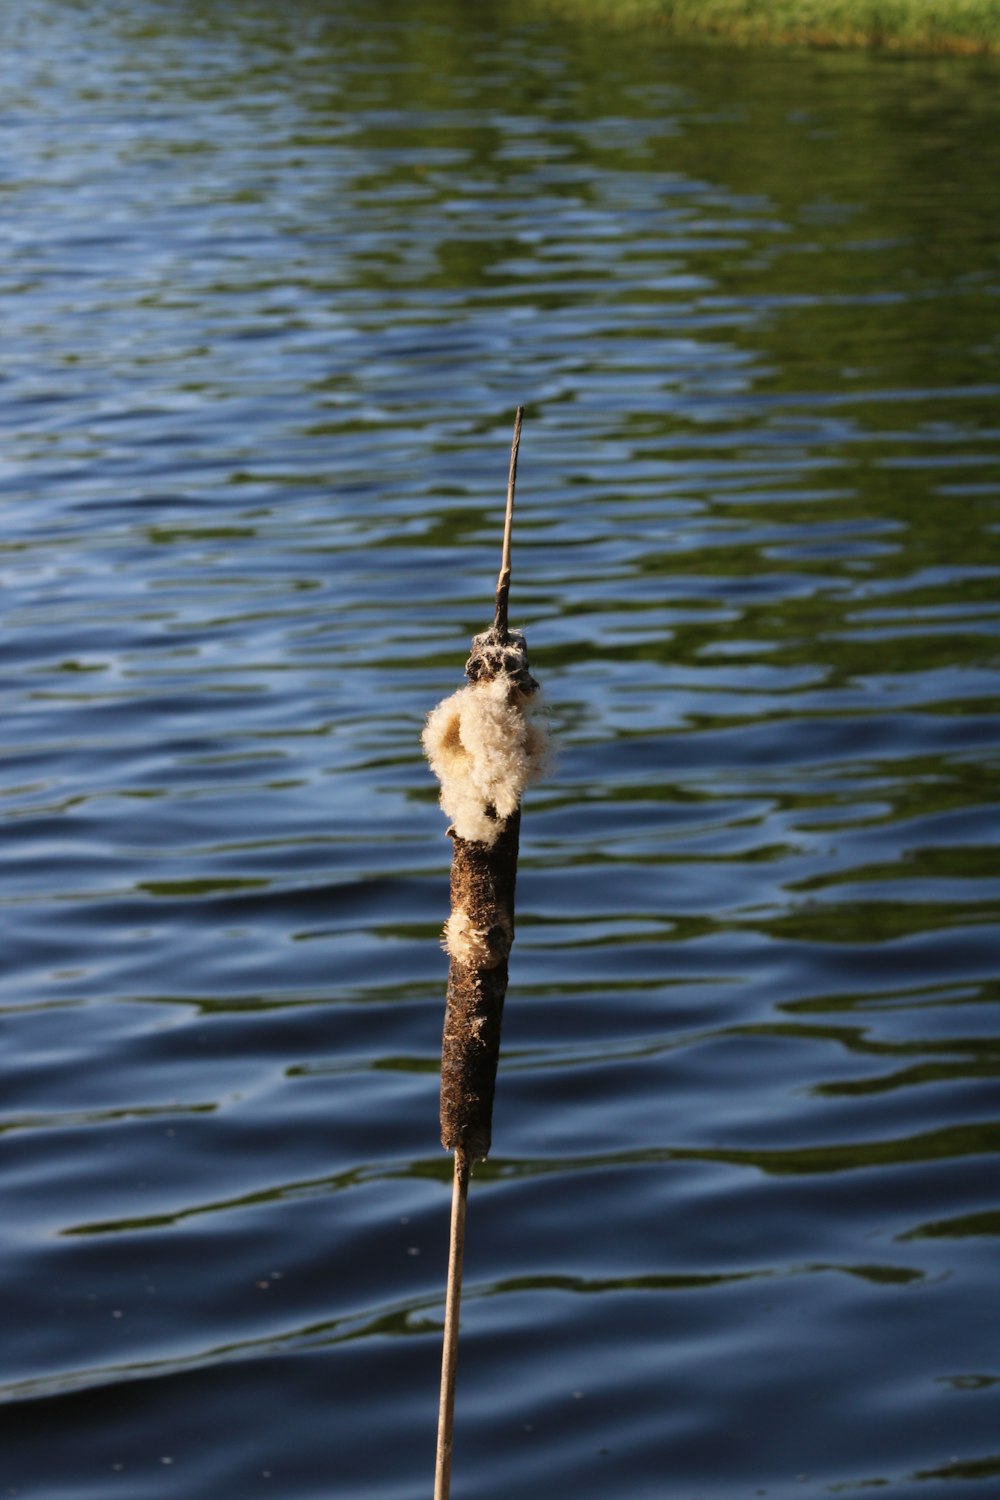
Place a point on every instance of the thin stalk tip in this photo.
(503, 582)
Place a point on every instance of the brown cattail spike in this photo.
(485, 746)
(480, 932)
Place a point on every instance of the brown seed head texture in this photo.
(485, 746)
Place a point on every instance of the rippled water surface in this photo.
(273, 280)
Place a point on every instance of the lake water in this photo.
(274, 279)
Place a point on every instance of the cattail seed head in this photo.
(485, 744)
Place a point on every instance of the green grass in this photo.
(965, 26)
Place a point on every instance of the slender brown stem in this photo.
(453, 1298)
(503, 582)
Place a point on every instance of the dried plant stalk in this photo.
(485, 747)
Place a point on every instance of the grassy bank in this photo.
(963, 26)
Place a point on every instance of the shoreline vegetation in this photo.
(963, 27)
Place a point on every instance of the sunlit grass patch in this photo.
(968, 26)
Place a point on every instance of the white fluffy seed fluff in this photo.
(472, 945)
(485, 744)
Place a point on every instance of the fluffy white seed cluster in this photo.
(485, 743)
(477, 947)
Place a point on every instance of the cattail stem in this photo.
(449, 1358)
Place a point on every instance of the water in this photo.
(274, 280)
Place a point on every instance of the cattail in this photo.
(485, 745)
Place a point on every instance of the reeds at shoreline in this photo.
(969, 27)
